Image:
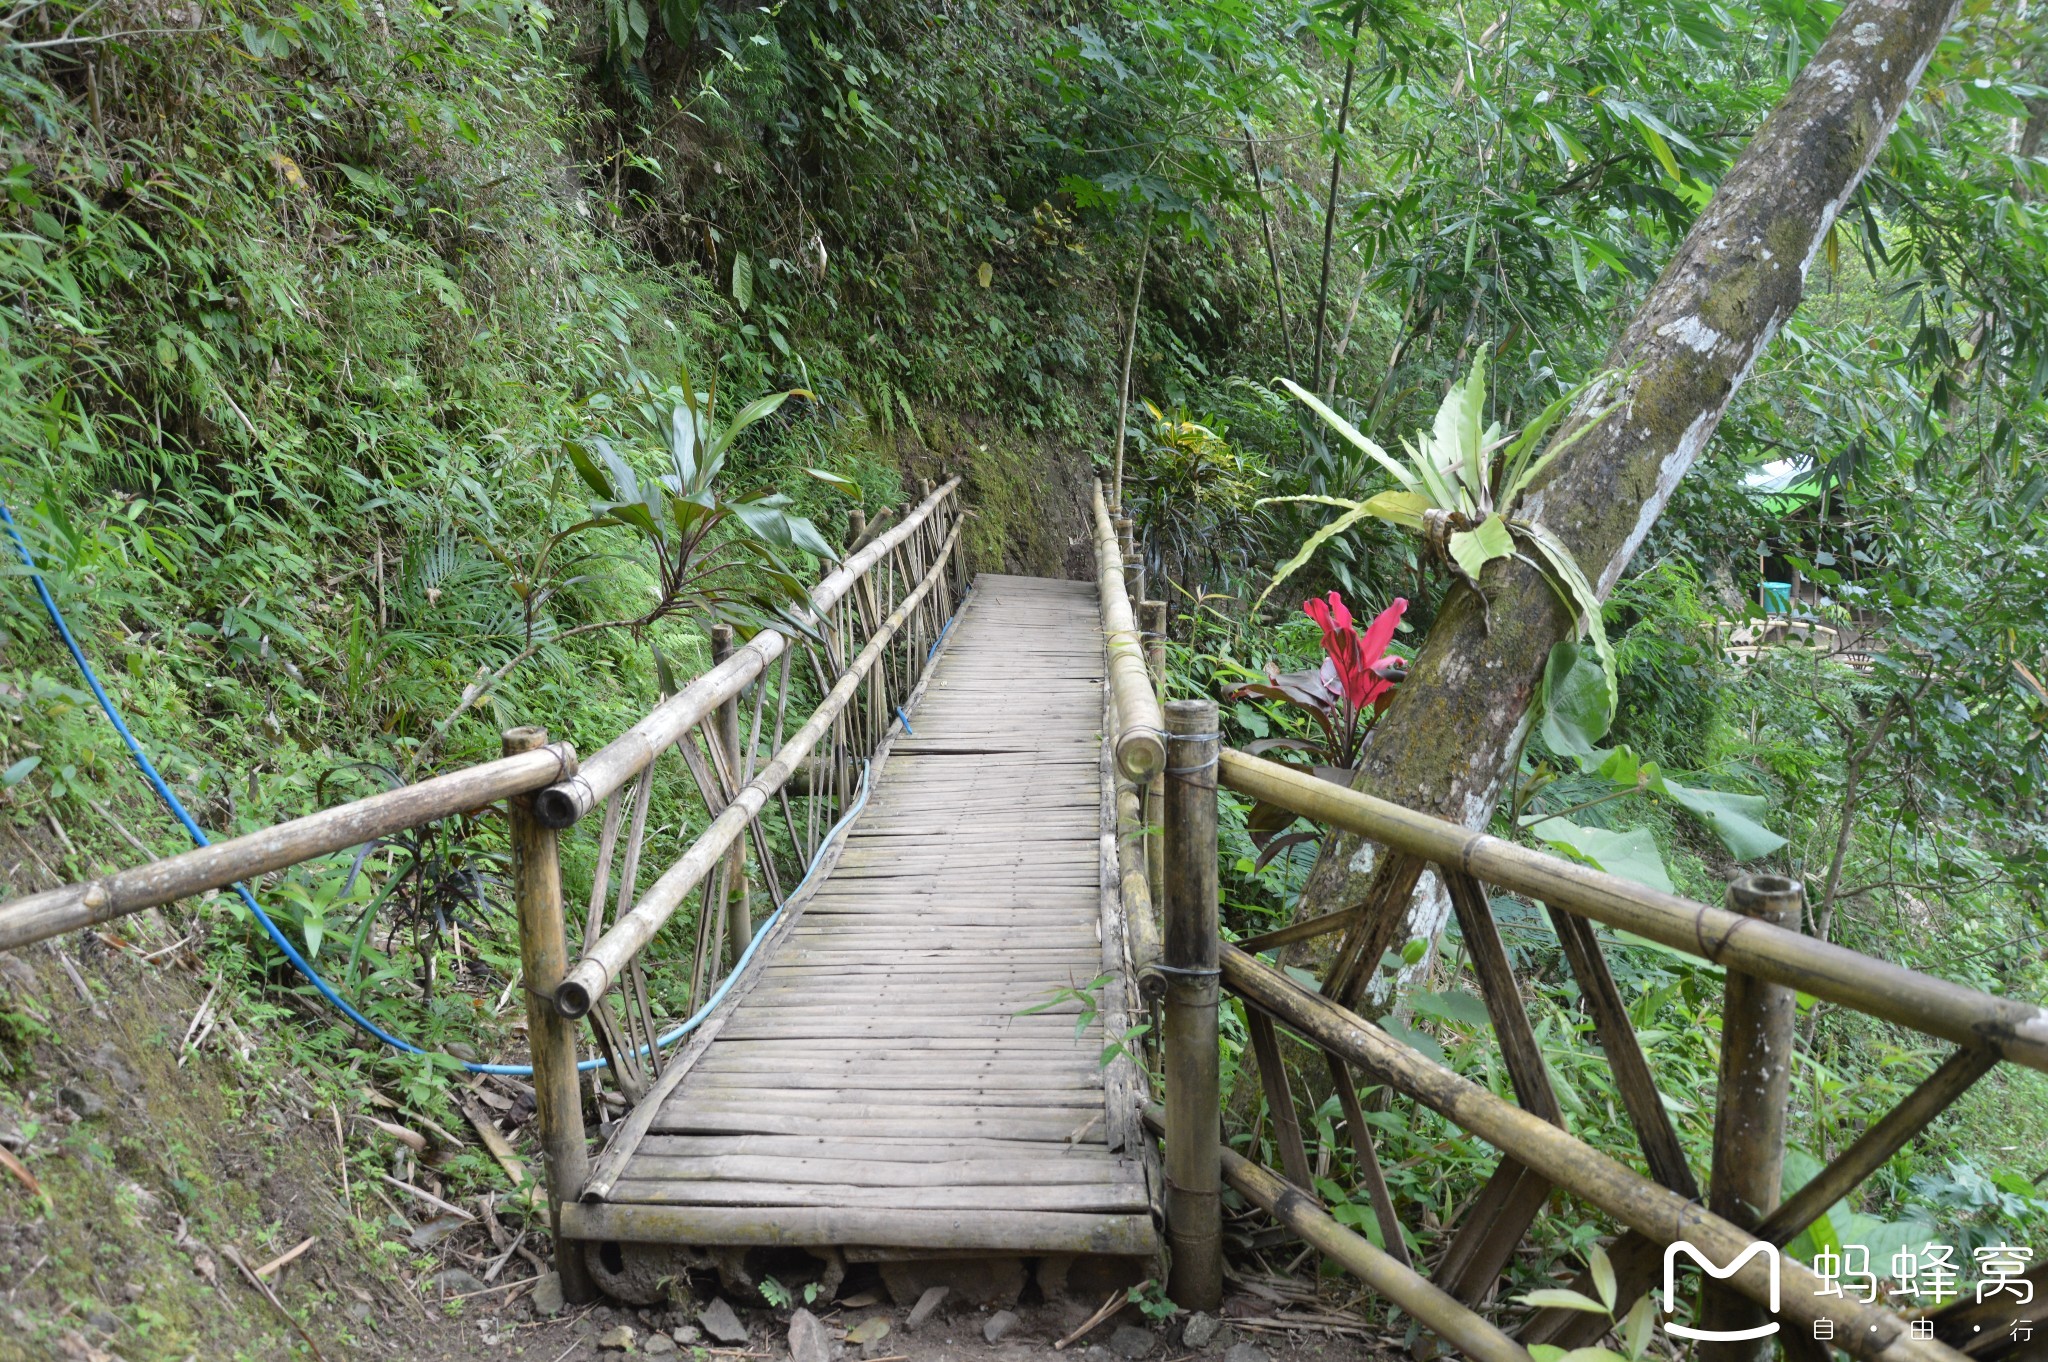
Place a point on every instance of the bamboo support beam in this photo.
(36, 917)
(1139, 741)
(601, 964)
(621, 759)
(543, 951)
(1864, 1330)
(2016, 1031)
(1437, 1311)
(1194, 1206)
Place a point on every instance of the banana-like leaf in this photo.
(1363, 511)
(1570, 582)
(1473, 549)
(1399, 508)
(1457, 431)
(1352, 433)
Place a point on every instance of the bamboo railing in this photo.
(1755, 937)
(870, 629)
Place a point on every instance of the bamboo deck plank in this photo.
(897, 1074)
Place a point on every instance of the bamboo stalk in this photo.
(1194, 1208)
(621, 759)
(2016, 1031)
(1863, 1330)
(1139, 744)
(544, 951)
(601, 964)
(37, 917)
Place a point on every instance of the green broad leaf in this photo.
(1632, 855)
(1415, 1040)
(1455, 1006)
(1603, 1275)
(593, 477)
(1733, 817)
(1800, 1168)
(1566, 578)
(1456, 432)
(315, 933)
(1574, 699)
(1473, 549)
(1413, 952)
(18, 772)
(1560, 1298)
(1635, 1330)
(742, 280)
(1398, 508)
(1352, 434)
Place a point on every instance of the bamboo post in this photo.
(1749, 1113)
(544, 957)
(1194, 1207)
(739, 921)
(1152, 614)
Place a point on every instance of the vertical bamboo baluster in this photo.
(1134, 573)
(544, 957)
(1280, 1100)
(960, 564)
(739, 928)
(1194, 1207)
(1152, 620)
(1749, 1113)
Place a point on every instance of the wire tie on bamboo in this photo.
(1187, 971)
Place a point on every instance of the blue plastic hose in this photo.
(270, 928)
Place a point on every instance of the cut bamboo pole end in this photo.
(1139, 742)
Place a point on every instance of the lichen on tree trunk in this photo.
(1459, 721)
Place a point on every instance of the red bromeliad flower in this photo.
(1358, 663)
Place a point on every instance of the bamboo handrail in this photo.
(1139, 741)
(2014, 1030)
(36, 917)
(619, 760)
(590, 976)
(1866, 1330)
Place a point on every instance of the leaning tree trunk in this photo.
(1460, 719)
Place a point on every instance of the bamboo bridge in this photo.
(989, 857)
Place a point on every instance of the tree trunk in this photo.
(1458, 723)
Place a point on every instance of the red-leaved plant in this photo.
(1343, 697)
